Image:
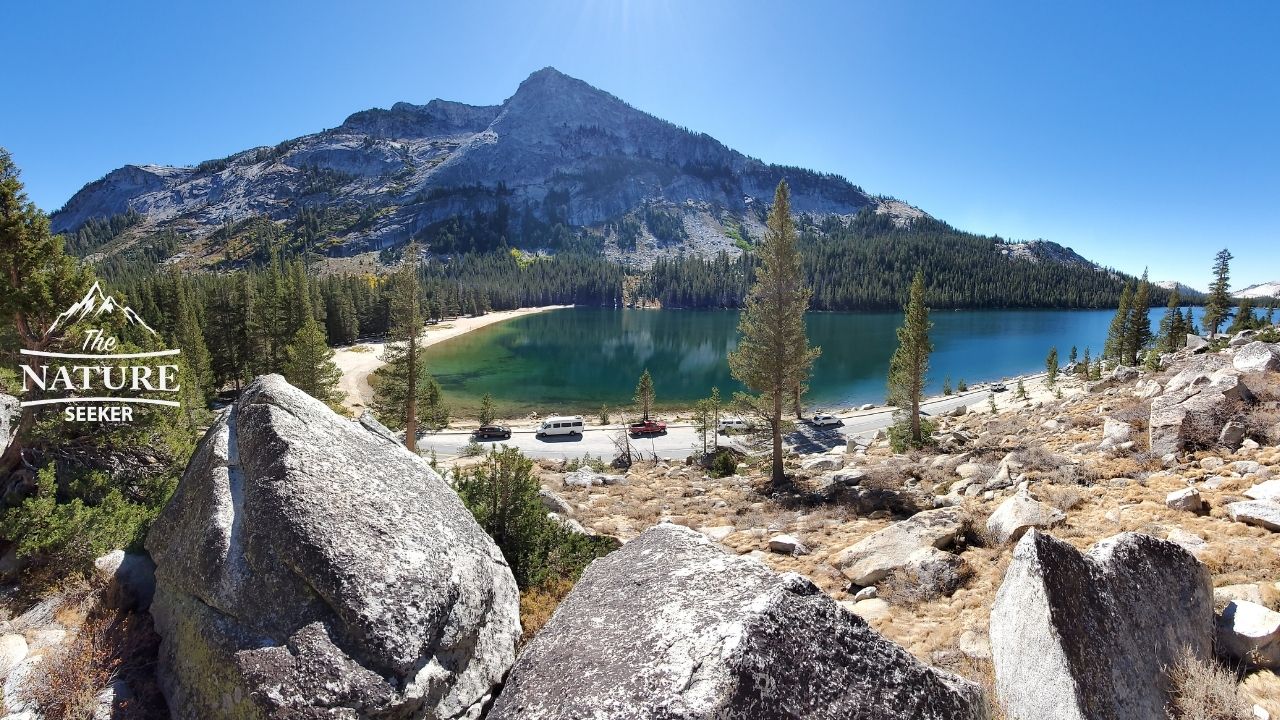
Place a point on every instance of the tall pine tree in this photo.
(1219, 302)
(1117, 342)
(773, 356)
(1139, 329)
(403, 382)
(910, 362)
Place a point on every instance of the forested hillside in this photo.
(868, 264)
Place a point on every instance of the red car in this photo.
(648, 427)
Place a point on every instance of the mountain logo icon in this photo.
(96, 303)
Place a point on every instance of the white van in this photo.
(733, 422)
(566, 425)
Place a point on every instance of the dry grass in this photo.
(538, 604)
(1063, 497)
(106, 647)
(1206, 691)
(1263, 688)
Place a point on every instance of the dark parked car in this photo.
(492, 432)
(648, 427)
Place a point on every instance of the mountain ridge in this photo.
(558, 151)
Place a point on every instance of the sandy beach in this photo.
(357, 362)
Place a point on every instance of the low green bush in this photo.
(502, 494)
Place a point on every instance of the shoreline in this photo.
(357, 362)
(680, 414)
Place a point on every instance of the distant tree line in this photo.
(869, 262)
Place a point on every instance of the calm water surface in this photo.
(574, 360)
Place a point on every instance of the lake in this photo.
(573, 360)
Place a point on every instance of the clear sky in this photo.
(1138, 133)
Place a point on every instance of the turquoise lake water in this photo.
(573, 360)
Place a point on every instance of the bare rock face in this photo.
(672, 626)
(1196, 403)
(1087, 636)
(307, 567)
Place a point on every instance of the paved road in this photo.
(680, 439)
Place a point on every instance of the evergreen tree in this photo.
(487, 411)
(910, 361)
(37, 281)
(1216, 307)
(309, 364)
(1116, 346)
(1051, 365)
(946, 385)
(434, 411)
(403, 381)
(644, 394)
(1139, 326)
(1271, 312)
(341, 321)
(188, 337)
(773, 356)
(1084, 367)
(1172, 337)
(1071, 359)
(1244, 319)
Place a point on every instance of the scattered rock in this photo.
(1125, 374)
(13, 650)
(1187, 500)
(971, 470)
(1189, 541)
(1249, 632)
(1197, 410)
(718, 532)
(1018, 514)
(1211, 463)
(695, 632)
(1090, 635)
(554, 503)
(1257, 357)
(306, 566)
(820, 463)
(975, 645)
(869, 560)
(871, 609)
(1248, 592)
(130, 579)
(1263, 513)
(866, 593)
(1195, 343)
(569, 524)
(589, 478)
(787, 545)
(1232, 434)
(1268, 490)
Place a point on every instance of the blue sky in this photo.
(1138, 133)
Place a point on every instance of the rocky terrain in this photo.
(1103, 549)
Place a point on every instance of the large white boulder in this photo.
(307, 567)
(872, 558)
(1080, 636)
(1257, 357)
(1020, 513)
(673, 626)
(1250, 632)
(1263, 513)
